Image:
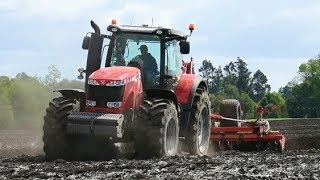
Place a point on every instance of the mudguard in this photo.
(78, 94)
(185, 93)
(162, 93)
(186, 89)
(72, 93)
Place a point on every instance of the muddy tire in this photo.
(198, 132)
(140, 124)
(158, 131)
(230, 108)
(54, 128)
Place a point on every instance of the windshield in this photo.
(128, 46)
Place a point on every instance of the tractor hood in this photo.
(116, 73)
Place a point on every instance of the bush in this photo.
(6, 117)
(29, 101)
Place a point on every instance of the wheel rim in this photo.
(202, 130)
(171, 137)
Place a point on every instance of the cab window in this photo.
(126, 47)
(173, 58)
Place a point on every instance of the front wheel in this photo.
(160, 133)
(55, 138)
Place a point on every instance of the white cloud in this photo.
(309, 13)
(22, 60)
(213, 19)
(167, 13)
(18, 54)
(141, 13)
(50, 9)
(8, 5)
(37, 63)
(259, 14)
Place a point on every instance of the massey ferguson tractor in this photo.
(140, 93)
(127, 100)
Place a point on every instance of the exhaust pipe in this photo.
(94, 52)
(95, 28)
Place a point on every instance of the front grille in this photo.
(104, 94)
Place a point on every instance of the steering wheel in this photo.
(138, 60)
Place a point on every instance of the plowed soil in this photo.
(20, 142)
(303, 164)
(300, 133)
(21, 157)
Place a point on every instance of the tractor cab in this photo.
(156, 51)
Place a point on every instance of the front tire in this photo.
(198, 134)
(54, 128)
(59, 145)
(157, 133)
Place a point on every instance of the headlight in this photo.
(90, 103)
(116, 83)
(93, 82)
(114, 104)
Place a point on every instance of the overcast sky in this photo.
(273, 36)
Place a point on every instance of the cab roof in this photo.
(147, 30)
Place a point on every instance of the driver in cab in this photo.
(148, 65)
(149, 62)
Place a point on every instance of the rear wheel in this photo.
(157, 133)
(198, 134)
(230, 108)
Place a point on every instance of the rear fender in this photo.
(187, 87)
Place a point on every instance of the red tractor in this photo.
(143, 95)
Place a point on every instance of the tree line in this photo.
(24, 98)
(299, 98)
(236, 81)
(302, 94)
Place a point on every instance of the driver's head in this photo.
(143, 49)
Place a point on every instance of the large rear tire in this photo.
(230, 108)
(55, 141)
(157, 129)
(198, 134)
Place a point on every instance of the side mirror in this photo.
(86, 42)
(184, 47)
(81, 71)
